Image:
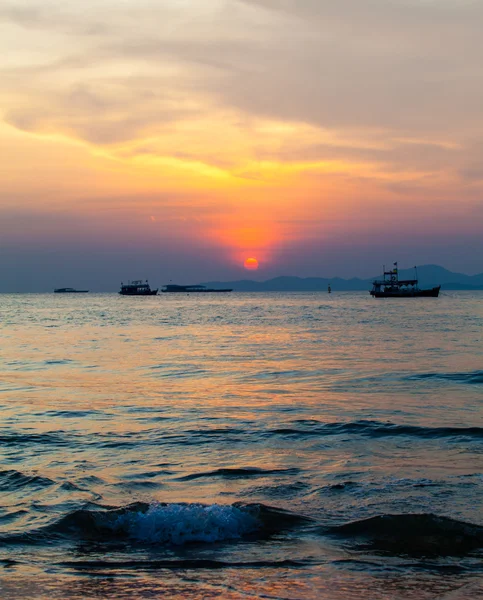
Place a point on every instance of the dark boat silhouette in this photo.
(137, 288)
(188, 289)
(393, 287)
(69, 291)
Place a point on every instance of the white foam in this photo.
(182, 523)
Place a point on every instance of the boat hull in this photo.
(431, 293)
(147, 293)
(195, 291)
(62, 291)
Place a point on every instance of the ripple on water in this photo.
(471, 378)
(239, 473)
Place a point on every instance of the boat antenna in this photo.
(416, 271)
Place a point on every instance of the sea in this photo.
(241, 446)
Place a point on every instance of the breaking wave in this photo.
(165, 524)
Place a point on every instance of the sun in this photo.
(251, 264)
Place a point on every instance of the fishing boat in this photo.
(137, 288)
(393, 287)
(69, 291)
(189, 289)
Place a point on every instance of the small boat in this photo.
(69, 291)
(137, 288)
(189, 289)
(393, 287)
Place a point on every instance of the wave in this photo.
(295, 429)
(11, 479)
(414, 534)
(141, 484)
(177, 373)
(164, 524)
(377, 429)
(279, 374)
(53, 438)
(12, 516)
(174, 564)
(74, 414)
(472, 377)
(239, 473)
(277, 492)
(220, 431)
(179, 524)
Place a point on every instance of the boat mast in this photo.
(394, 275)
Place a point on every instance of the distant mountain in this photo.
(428, 275)
(431, 275)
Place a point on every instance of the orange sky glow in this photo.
(211, 128)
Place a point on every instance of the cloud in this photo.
(107, 113)
(405, 67)
(50, 18)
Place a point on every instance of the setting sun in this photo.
(251, 264)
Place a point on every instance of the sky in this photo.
(175, 139)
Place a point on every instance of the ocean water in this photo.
(241, 446)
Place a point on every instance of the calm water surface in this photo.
(241, 446)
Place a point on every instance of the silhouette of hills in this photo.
(428, 275)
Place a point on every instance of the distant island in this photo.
(429, 275)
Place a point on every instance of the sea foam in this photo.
(184, 523)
